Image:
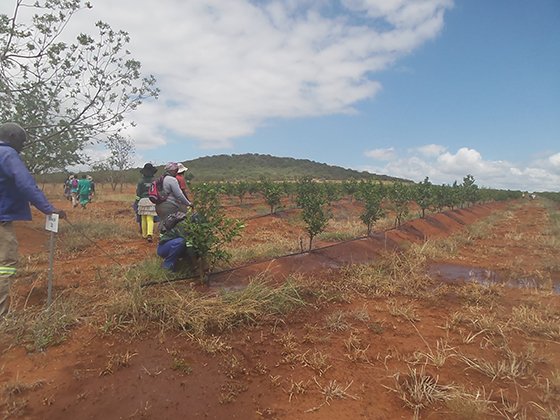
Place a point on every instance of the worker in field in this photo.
(84, 191)
(67, 186)
(173, 243)
(17, 190)
(181, 179)
(92, 193)
(175, 199)
(74, 190)
(145, 209)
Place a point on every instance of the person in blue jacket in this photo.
(17, 190)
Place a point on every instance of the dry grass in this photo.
(394, 274)
(210, 344)
(316, 360)
(337, 321)
(117, 361)
(297, 388)
(473, 293)
(419, 390)
(343, 230)
(182, 308)
(435, 357)
(75, 238)
(263, 245)
(512, 365)
(466, 406)
(13, 402)
(356, 349)
(439, 249)
(479, 319)
(17, 388)
(404, 310)
(334, 390)
(39, 328)
(290, 348)
(361, 314)
(536, 321)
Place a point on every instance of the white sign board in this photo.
(52, 223)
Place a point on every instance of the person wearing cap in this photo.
(17, 190)
(181, 179)
(176, 200)
(146, 210)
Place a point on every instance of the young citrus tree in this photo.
(425, 195)
(400, 195)
(453, 196)
(312, 200)
(470, 191)
(333, 191)
(209, 229)
(350, 188)
(371, 195)
(272, 193)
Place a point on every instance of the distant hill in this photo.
(249, 167)
(252, 166)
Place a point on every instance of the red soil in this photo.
(256, 378)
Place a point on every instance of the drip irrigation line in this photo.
(227, 270)
(92, 241)
(239, 267)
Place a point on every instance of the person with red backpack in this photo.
(175, 200)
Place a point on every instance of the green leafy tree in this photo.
(371, 195)
(312, 200)
(333, 191)
(241, 188)
(424, 195)
(210, 230)
(350, 188)
(253, 188)
(440, 197)
(453, 195)
(66, 95)
(272, 193)
(400, 196)
(289, 189)
(470, 191)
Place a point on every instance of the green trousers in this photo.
(8, 260)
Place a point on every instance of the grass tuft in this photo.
(419, 390)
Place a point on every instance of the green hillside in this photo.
(254, 166)
(250, 167)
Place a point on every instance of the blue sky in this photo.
(408, 88)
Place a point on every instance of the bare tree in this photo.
(120, 159)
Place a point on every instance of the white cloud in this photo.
(431, 149)
(464, 160)
(225, 67)
(381, 154)
(447, 167)
(555, 160)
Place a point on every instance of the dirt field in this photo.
(453, 316)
